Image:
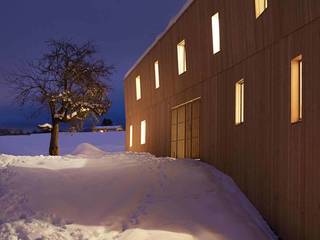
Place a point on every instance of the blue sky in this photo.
(122, 30)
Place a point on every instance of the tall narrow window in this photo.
(239, 104)
(131, 136)
(296, 89)
(157, 74)
(261, 5)
(182, 57)
(215, 25)
(143, 132)
(138, 87)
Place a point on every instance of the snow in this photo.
(37, 144)
(171, 23)
(70, 109)
(94, 194)
(114, 127)
(45, 125)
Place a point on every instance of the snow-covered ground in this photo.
(99, 195)
(38, 144)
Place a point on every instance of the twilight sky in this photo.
(122, 30)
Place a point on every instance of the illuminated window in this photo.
(215, 33)
(296, 89)
(239, 111)
(182, 57)
(143, 132)
(157, 74)
(131, 136)
(261, 5)
(138, 88)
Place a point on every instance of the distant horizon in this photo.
(31, 123)
(119, 42)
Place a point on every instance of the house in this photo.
(102, 129)
(46, 127)
(236, 84)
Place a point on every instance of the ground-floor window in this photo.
(143, 132)
(239, 102)
(131, 136)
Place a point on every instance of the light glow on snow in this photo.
(125, 196)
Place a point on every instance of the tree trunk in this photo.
(54, 141)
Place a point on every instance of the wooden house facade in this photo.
(236, 83)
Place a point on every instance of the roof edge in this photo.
(160, 36)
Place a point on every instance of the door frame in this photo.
(175, 108)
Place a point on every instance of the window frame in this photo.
(296, 88)
(182, 57)
(260, 7)
(143, 132)
(130, 136)
(240, 102)
(157, 74)
(215, 31)
(138, 88)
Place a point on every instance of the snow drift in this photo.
(125, 196)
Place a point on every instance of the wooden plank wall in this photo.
(275, 163)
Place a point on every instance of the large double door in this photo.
(185, 130)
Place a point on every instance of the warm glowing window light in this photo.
(157, 74)
(296, 89)
(138, 88)
(215, 33)
(182, 57)
(131, 136)
(143, 132)
(261, 5)
(239, 104)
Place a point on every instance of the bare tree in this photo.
(69, 81)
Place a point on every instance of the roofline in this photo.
(160, 36)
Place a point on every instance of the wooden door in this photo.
(181, 133)
(174, 127)
(195, 131)
(185, 134)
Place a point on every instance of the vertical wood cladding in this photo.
(275, 163)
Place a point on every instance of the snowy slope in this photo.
(125, 196)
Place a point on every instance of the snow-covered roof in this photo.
(171, 23)
(45, 125)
